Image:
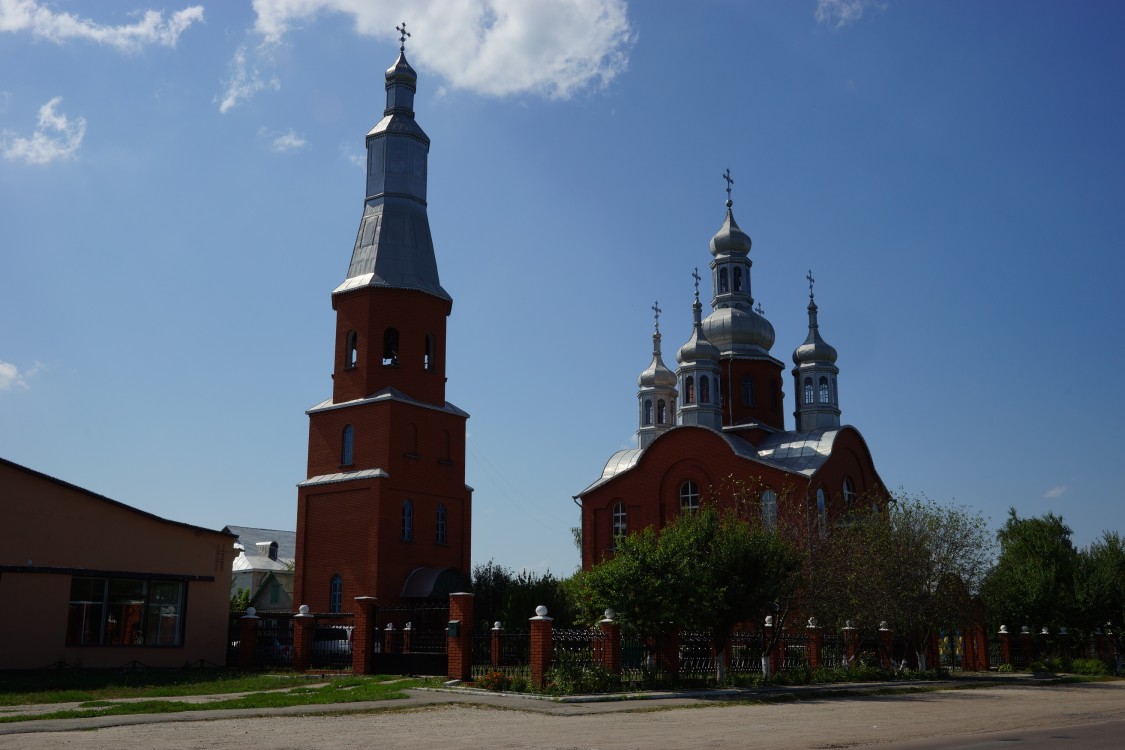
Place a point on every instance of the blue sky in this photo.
(180, 187)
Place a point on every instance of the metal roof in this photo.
(387, 394)
(344, 476)
(249, 536)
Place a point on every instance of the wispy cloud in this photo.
(358, 158)
(493, 47)
(245, 81)
(1057, 491)
(283, 142)
(840, 13)
(56, 137)
(151, 28)
(11, 377)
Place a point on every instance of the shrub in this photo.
(1004, 668)
(496, 681)
(572, 677)
(1088, 667)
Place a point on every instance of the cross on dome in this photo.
(759, 309)
(402, 35)
(695, 275)
(656, 313)
(730, 182)
(812, 281)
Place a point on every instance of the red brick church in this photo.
(715, 429)
(385, 510)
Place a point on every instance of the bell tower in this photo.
(384, 510)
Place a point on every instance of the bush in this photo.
(1088, 667)
(1004, 668)
(572, 677)
(496, 681)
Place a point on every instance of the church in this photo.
(713, 430)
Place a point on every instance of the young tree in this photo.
(1033, 580)
(1099, 584)
(501, 594)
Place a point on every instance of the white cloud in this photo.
(245, 81)
(840, 13)
(55, 138)
(282, 142)
(358, 158)
(11, 377)
(1057, 491)
(551, 48)
(44, 23)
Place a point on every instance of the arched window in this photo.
(849, 492)
(689, 497)
(823, 390)
(738, 279)
(661, 412)
(648, 411)
(822, 512)
(769, 509)
(351, 354)
(347, 446)
(808, 391)
(439, 533)
(428, 360)
(705, 390)
(407, 520)
(335, 594)
(619, 519)
(390, 347)
(722, 281)
(689, 390)
(835, 393)
(747, 391)
(672, 411)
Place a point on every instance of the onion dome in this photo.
(734, 330)
(815, 349)
(730, 239)
(698, 348)
(656, 375)
(401, 71)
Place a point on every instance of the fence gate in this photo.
(425, 654)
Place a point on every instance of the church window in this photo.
(619, 519)
(808, 391)
(835, 394)
(661, 412)
(407, 520)
(769, 509)
(849, 492)
(390, 347)
(648, 412)
(738, 279)
(773, 395)
(351, 356)
(747, 391)
(428, 360)
(722, 281)
(822, 512)
(439, 535)
(672, 412)
(705, 390)
(347, 447)
(335, 594)
(689, 390)
(689, 497)
(823, 390)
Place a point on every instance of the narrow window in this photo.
(689, 390)
(722, 281)
(769, 509)
(439, 535)
(808, 391)
(648, 411)
(738, 279)
(849, 492)
(822, 512)
(347, 446)
(390, 347)
(661, 412)
(823, 390)
(747, 391)
(672, 412)
(428, 361)
(407, 520)
(618, 522)
(689, 497)
(773, 395)
(835, 393)
(705, 390)
(335, 594)
(352, 347)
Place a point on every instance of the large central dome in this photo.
(739, 331)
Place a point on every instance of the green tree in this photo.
(1099, 583)
(501, 594)
(1033, 580)
(240, 600)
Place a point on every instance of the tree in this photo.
(705, 571)
(501, 594)
(1033, 580)
(1099, 583)
(916, 565)
(240, 600)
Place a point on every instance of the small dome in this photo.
(698, 349)
(656, 375)
(732, 329)
(401, 70)
(815, 349)
(730, 239)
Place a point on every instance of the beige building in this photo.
(88, 581)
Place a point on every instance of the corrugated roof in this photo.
(249, 536)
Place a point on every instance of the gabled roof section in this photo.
(250, 536)
(387, 394)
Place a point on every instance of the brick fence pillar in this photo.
(496, 652)
(459, 638)
(1027, 646)
(302, 638)
(390, 642)
(886, 646)
(816, 644)
(247, 638)
(1005, 639)
(364, 635)
(610, 643)
(407, 635)
(669, 656)
(542, 647)
(851, 643)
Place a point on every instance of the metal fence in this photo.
(514, 656)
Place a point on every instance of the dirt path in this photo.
(810, 723)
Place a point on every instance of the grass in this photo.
(72, 687)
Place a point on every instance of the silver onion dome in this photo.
(815, 349)
(730, 239)
(656, 375)
(698, 348)
(734, 330)
(401, 70)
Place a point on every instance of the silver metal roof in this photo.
(387, 394)
(344, 476)
(250, 536)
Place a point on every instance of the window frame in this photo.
(689, 497)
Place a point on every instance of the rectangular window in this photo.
(125, 612)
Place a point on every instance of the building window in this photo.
(352, 354)
(407, 520)
(335, 595)
(835, 393)
(689, 497)
(689, 390)
(722, 281)
(738, 279)
(808, 391)
(347, 446)
(439, 534)
(618, 521)
(275, 592)
(661, 412)
(428, 361)
(705, 390)
(125, 612)
(769, 509)
(822, 512)
(747, 391)
(849, 492)
(390, 347)
(823, 390)
(648, 411)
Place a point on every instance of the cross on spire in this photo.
(656, 314)
(402, 34)
(730, 182)
(759, 309)
(695, 275)
(812, 281)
